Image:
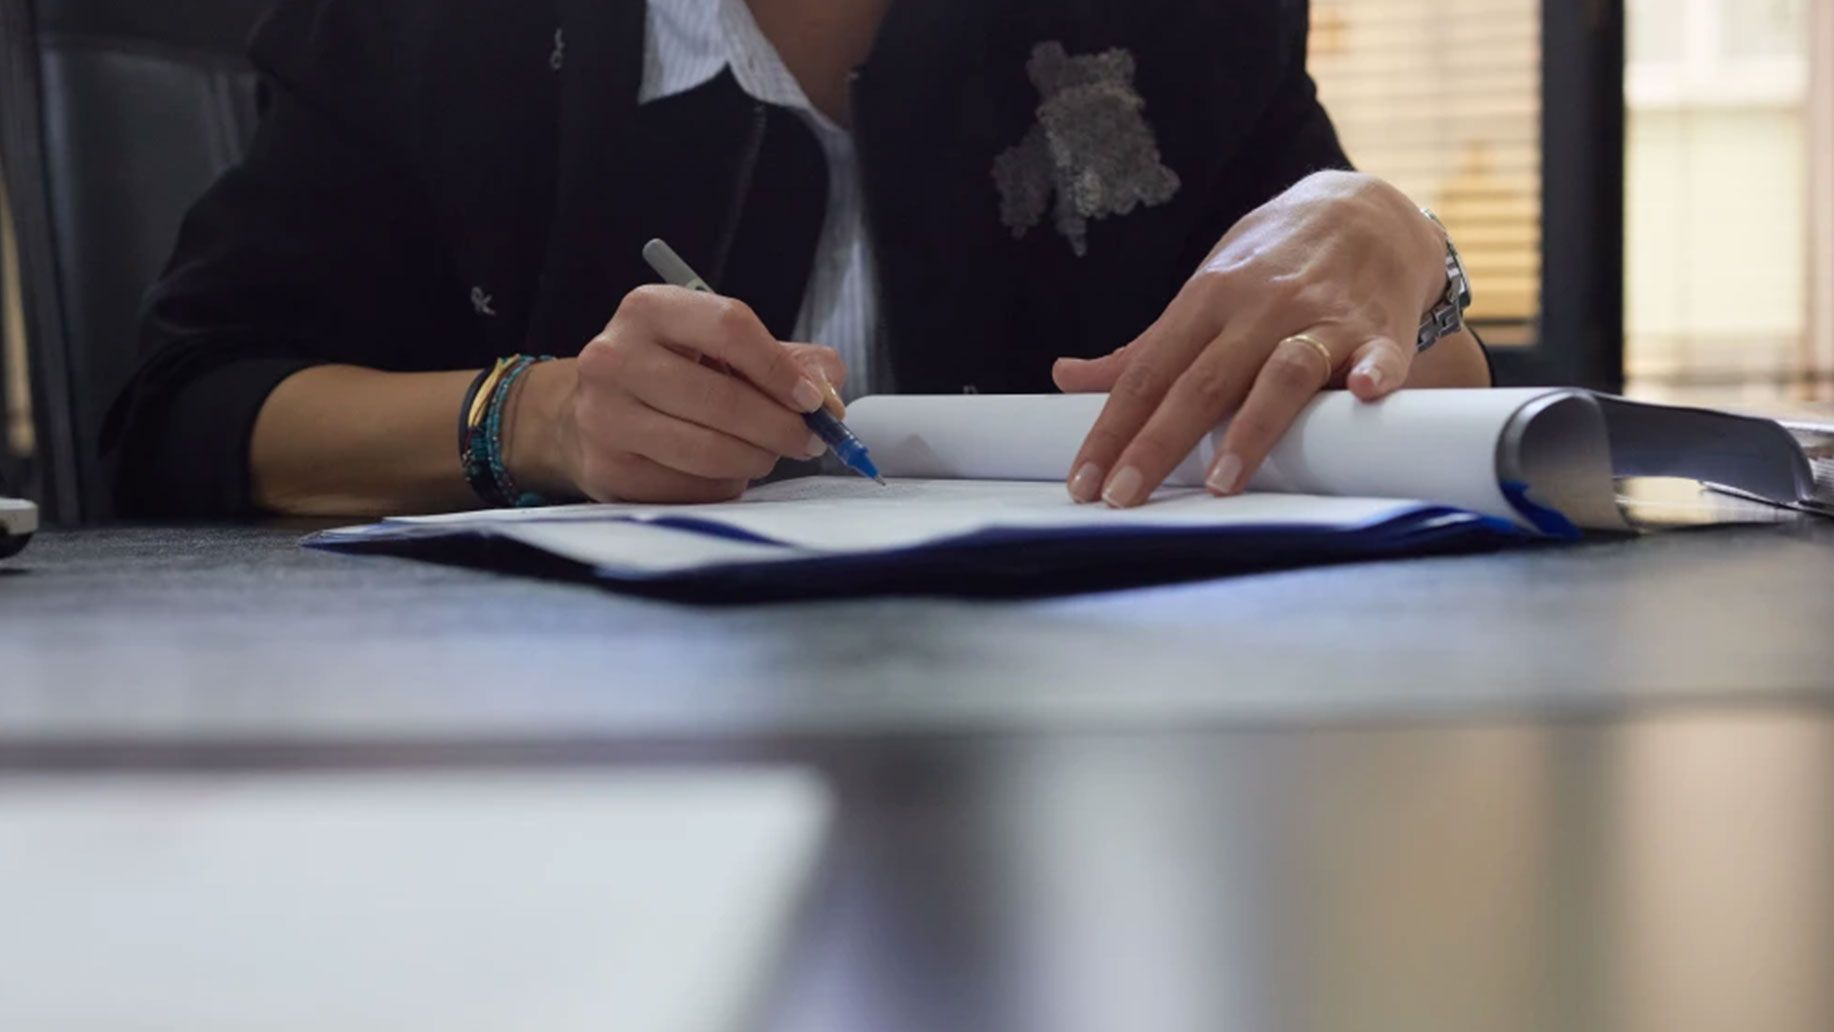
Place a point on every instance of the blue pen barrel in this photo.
(848, 448)
(831, 430)
(853, 453)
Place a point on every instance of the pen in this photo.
(834, 433)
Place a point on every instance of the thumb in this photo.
(1379, 368)
(1091, 375)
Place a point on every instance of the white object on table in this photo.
(458, 902)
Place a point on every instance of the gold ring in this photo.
(1316, 345)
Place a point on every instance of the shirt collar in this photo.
(689, 42)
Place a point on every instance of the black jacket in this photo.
(438, 183)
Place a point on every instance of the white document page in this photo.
(634, 547)
(839, 515)
(386, 902)
(1436, 446)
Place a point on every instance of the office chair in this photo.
(115, 115)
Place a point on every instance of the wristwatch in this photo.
(1448, 316)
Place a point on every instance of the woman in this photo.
(1135, 196)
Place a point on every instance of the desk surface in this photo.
(1583, 788)
(234, 633)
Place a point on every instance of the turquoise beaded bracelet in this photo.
(485, 468)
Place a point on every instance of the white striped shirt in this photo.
(689, 42)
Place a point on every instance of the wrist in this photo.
(534, 440)
(1457, 361)
(1435, 262)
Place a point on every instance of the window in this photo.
(1719, 195)
(1443, 98)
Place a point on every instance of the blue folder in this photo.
(998, 563)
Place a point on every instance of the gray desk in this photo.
(1577, 788)
(236, 634)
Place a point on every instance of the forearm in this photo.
(345, 441)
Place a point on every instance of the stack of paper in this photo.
(977, 504)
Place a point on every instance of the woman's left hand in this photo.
(1325, 285)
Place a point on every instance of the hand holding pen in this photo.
(824, 422)
(638, 417)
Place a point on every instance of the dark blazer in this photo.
(435, 184)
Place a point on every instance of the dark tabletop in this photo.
(233, 633)
(1574, 788)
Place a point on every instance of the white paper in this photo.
(847, 514)
(643, 903)
(1437, 446)
(835, 516)
(636, 547)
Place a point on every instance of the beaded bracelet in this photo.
(485, 468)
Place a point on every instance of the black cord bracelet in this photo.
(464, 419)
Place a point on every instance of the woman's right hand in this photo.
(639, 417)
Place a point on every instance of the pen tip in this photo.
(881, 481)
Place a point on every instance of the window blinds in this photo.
(1443, 98)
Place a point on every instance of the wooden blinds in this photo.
(1443, 98)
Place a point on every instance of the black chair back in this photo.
(115, 115)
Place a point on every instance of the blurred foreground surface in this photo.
(1586, 788)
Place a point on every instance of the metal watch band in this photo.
(1448, 316)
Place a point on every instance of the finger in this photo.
(1294, 373)
(826, 368)
(728, 331)
(686, 390)
(633, 478)
(694, 449)
(1153, 365)
(1379, 368)
(1091, 375)
(1207, 392)
(818, 360)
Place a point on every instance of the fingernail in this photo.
(831, 398)
(1086, 485)
(807, 395)
(1371, 372)
(1224, 474)
(1123, 488)
(816, 447)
